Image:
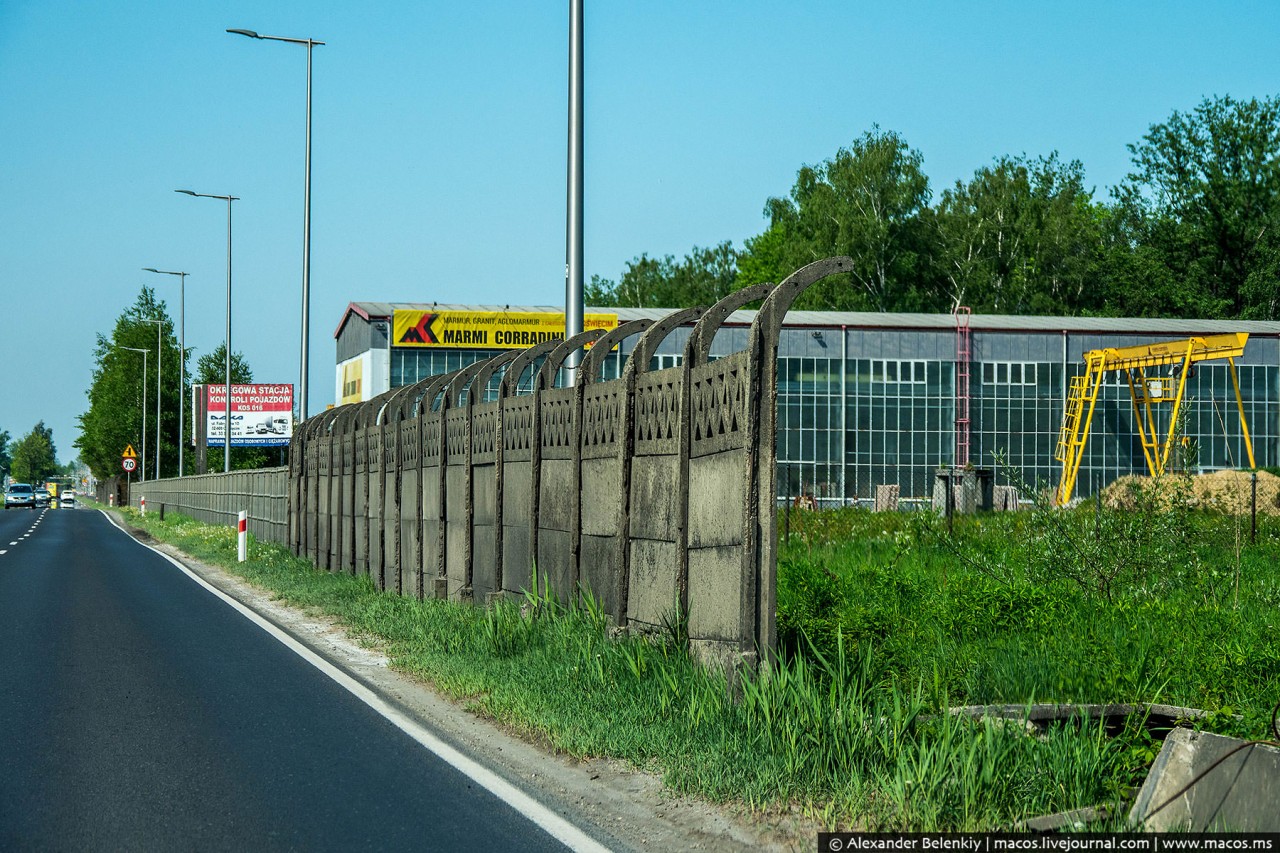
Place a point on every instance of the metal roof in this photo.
(868, 319)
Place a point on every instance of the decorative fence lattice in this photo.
(653, 492)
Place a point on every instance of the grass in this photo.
(884, 622)
(1086, 606)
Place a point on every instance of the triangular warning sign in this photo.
(129, 452)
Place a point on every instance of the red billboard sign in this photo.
(261, 415)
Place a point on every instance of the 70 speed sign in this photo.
(129, 464)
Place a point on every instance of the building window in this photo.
(663, 362)
(897, 371)
(1008, 373)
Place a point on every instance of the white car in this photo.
(67, 499)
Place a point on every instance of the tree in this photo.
(1022, 237)
(4, 452)
(866, 202)
(763, 260)
(703, 277)
(115, 417)
(211, 369)
(35, 456)
(1204, 199)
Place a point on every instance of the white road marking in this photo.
(553, 824)
(5, 551)
(13, 543)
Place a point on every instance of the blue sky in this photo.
(439, 143)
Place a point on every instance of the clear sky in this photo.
(439, 133)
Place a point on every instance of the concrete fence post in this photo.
(558, 471)
(655, 491)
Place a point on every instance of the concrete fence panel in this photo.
(486, 478)
(652, 492)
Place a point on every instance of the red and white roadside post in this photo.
(142, 503)
(242, 536)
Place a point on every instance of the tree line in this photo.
(32, 458)
(123, 379)
(1192, 231)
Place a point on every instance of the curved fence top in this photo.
(410, 405)
(522, 362)
(775, 308)
(547, 375)
(593, 361)
(445, 390)
(656, 334)
(373, 411)
(698, 349)
(460, 382)
(323, 423)
(480, 385)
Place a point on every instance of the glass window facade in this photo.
(886, 414)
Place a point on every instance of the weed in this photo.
(845, 725)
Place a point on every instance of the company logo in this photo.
(421, 333)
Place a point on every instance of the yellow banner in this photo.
(485, 329)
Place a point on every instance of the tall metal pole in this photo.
(182, 366)
(226, 430)
(159, 371)
(304, 359)
(573, 250)
(142, 469)
(182, 362)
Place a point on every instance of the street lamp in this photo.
(159, 371)
(573, 236)
(182, 344)
(142, 471)
(226, 430)
(305, 358)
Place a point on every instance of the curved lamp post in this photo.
(142, 469)
(182, 345)
(226, 429)
(159, 371)
(305, 357)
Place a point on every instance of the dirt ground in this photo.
(1225, 491)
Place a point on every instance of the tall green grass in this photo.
(847, 727)
(1006, 608)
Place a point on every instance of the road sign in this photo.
(129, 463)
(129, 453)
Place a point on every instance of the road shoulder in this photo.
(624, 808)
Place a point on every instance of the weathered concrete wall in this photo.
(644, 491)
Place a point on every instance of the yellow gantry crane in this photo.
(1145, 390)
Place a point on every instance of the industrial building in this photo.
(869, 399)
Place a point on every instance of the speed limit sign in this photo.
(129, 464)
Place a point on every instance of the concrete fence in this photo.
(219, 498)
(653, 492)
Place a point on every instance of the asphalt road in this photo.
(138, 711)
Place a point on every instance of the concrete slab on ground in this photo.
(1237, 786)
